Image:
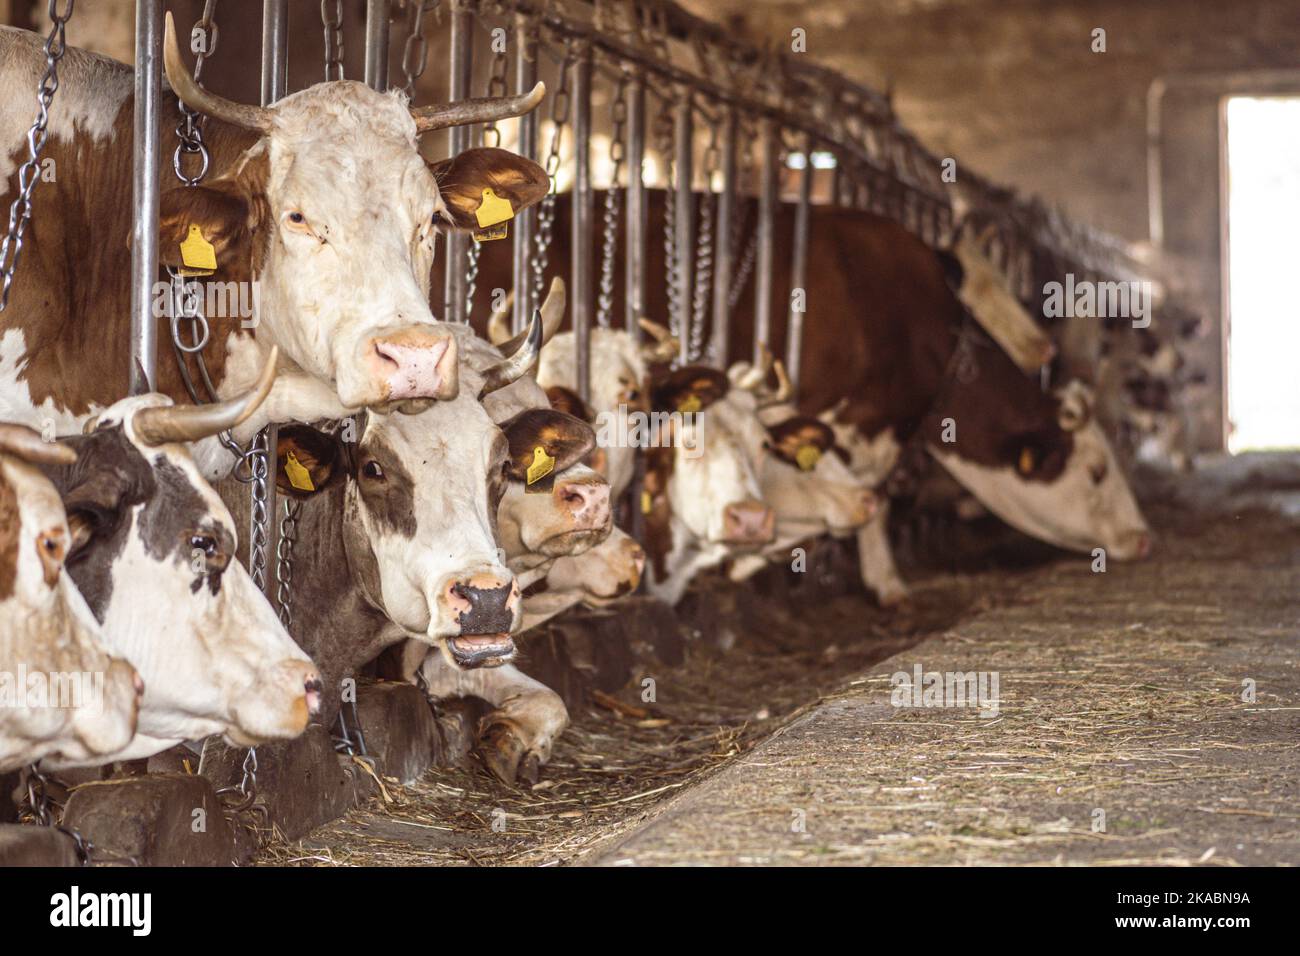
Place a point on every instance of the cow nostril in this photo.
(138, 682)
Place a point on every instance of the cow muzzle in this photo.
(748, 523)
(414, 363)
(585, 502)
(486, 606)
(283, 702)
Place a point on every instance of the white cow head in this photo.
(333, 214)
(61, 694)
(153, 552)
(1063, 485)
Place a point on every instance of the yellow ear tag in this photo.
(499, 231)
(297, 474)
(493, 209)
(198, 256)
(647, 503)
(1026, 463)
(690, 404)
(807, 457)
(543, 464)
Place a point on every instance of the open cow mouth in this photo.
(481, 650)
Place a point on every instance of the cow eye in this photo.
(297, 222)
(372, 470)
(203, 542)
(438, 219)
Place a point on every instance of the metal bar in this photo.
(767, 200)
(454, 284)
(723, 256)
(525, 222)
(377, 12)
(684, 217)
(637, 209)
(145, 193)
(582, 240)
(275, 50)
(799, 267)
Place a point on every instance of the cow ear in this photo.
(94, 505)
(307, 461)
(690, 389)
(800, 441)
(219, 215)
(463, 179)
(563, 440)
(570, 402)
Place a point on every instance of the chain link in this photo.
(415, 52)
(704, 251)
(546, 208)
(613, 206)
(20, 211)
(331, 18)
(284, 561)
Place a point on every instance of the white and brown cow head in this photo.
(62, 694)
(334, 214)
(1059, 481)
(702, 498)
(153, 551)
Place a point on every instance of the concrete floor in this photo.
(1121, 733)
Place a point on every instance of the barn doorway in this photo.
(1262, 166)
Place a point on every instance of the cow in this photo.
(803, 473)
(885, 330)
(62, 694)
(151, 549)
(321, 205)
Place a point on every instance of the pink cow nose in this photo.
(748, 522)
(417, 363)
(868, 504)
(587, 502)
(138, 683)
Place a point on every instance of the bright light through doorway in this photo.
(1264, 272)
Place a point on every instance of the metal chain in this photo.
(331, 18)
(35, 807)
(21, 209)
(613, 206)
(284, 561)
(704, 251)
(189, 131)
(415, 52)
(664, 142)
(546, 209)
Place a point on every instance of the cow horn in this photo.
(552, 318)
(27, 444)
(518, 363)
(197, 98)
(784, 390)
(666, 346)
(181, 423)
(486, 109)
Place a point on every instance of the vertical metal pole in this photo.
(525, 221)
(462, 26)
(377, 44)
(581, 287)
(634, 247)
(767, 200)
(275, 45)
(275, 84)
(799, 266)
(144, 193)
(722, 259)
(684, 217)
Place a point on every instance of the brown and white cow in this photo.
(152, 551)
(885, 329)
(321, 205)
(62, 695)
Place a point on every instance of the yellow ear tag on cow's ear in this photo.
(297, 474)
(690, 404)
(543, 464)
(807, 457)
(493, 209)
(198, 256)
(1026, 463)
(647, 503)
